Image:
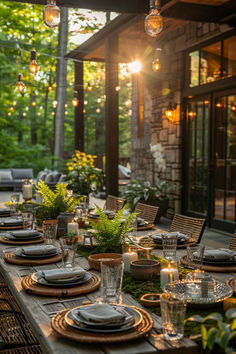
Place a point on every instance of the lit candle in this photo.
(168, 275)
(72, 227)
(128, 258)
(27, 191)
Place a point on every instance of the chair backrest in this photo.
(114, 203)
(232, 245)
(146, 212)
(186, 224)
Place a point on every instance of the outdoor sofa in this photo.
(13, 177)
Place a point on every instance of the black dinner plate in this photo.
(25, 238)
(19, 253)
(81, 324)
(222, 262)
(62, 284)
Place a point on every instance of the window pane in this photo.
(210, 63)
(194, 68)
(230, 56)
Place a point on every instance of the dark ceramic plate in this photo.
(62, 284)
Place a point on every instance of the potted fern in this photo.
(55, 202)
(110, 234)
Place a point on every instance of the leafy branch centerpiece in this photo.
(110, 234)
(85, 178)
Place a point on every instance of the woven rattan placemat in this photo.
(20, 243)
(60, 326)
(29, 285)
(212, 268)
(13, 259)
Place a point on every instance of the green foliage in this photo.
(137, 190)
(221, 334)
(55, 202)
(111, 234)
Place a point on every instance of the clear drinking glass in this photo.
(195, 256)
(50, 232)
(169, 244)
(112, 277)
(28, 220)
(15, 198)
(172, 315)
(68, 248)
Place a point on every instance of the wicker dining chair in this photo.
(15, 331)
(114, 203)
(232, 245)
(188, 225)
(146, 212)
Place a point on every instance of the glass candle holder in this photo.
(169, 273)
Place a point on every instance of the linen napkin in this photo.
(220, 254)
(56, 274)
(101, 313)
(37, 250)
(24, 233)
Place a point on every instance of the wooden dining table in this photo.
(40, 309)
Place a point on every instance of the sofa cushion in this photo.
(22, 173)
(42, 175)
(5, 176)
(62, 178)
(49, 178)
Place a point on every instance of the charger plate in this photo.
(32, 287)
(60, 326)
(232, 283)
(10, 242)
(13, 259)
(212, 268)
(146, 227)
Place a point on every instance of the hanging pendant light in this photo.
(153, 21)
(33, 67)
(21, 86)
(51, 14)
(89, 87)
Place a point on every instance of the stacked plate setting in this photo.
(219, 257)
(103, 318)
(181, 238)
(62, 278)
(22, 235)
(10, 222)
(37, 252)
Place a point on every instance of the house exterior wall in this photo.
(166, 86)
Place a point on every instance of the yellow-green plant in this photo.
(55, 202)
(111, 234)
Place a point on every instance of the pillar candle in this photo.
(27, 191)
(168, 275)
(128, 258)
(72, 227)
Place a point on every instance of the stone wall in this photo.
(166, 86)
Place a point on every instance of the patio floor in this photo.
(212, 238)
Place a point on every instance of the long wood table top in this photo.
(39, 310)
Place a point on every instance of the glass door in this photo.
(197, 151)
(224, 159)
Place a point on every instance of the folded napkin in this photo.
(37, 250)
(101, 313)
(141, 222)
(24, 233)
(56, 274)
(178, 234)
(220, 254)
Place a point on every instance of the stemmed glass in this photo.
(15, 198)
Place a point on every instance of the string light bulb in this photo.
(85, 103)
(75, 102)
(14, 103)
(21, 86)
(9, 113)
(156, 65)
(12, 109)
(117, 88)
(153, 22)
(89, 87)
(33, 67)
(66, 105)
(98, 110)
(66, 112)
(26, 108)
(24, 114)
(50, 88)
(51, 14)
(54, 104)
(33, 103)
(99, 100)
(38, 114)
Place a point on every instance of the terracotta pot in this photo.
(144, 269)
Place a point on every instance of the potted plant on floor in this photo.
(154, 193)
(85, 178)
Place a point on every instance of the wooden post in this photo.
(79, 114)
(111, 116)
